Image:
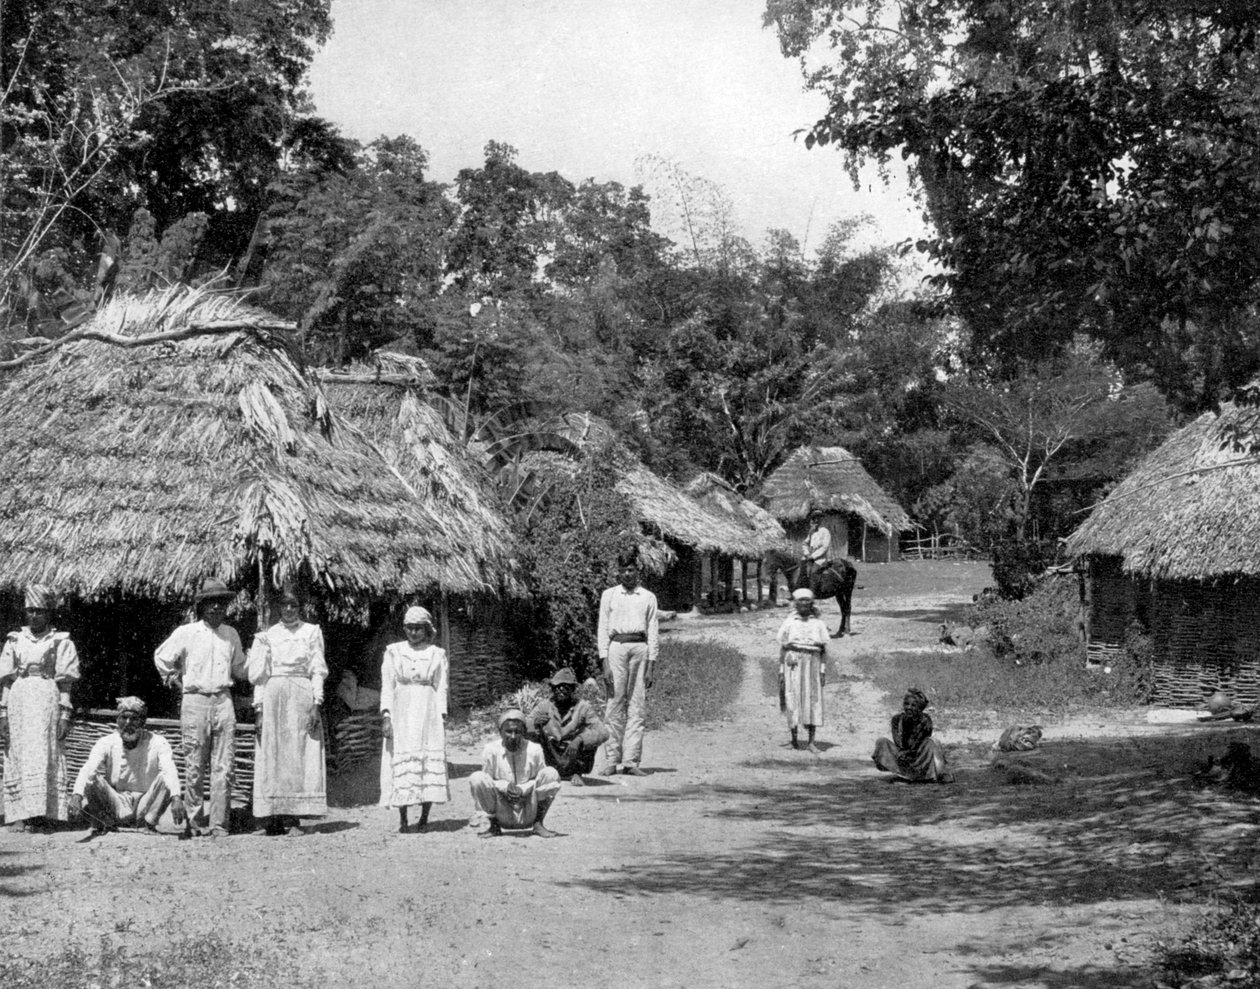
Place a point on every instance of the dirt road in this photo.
(737, 862)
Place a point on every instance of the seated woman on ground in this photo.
(912, 754)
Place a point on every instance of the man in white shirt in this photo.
(816, 553)
(129, 778)
(627, 640)
(202, 659)
(515, 787)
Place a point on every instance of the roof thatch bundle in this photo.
(830, 479)
(764, 533)
(678, 516)
(145, 468)
(1189, 511)
(386, 402)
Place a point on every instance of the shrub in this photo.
(1018, 565)
(1224, 943)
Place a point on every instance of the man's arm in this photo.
(653, 630)
(166, 763)
(169, 657)
(240, 665)
(95, 759)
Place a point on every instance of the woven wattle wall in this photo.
(1206, 638)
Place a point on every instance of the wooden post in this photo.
(697, 580)
(760, 589)
(863, 540)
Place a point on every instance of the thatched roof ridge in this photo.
(386, 402)
(715, 494)
(830, 479)
(678, 516)
(145, 469)
(1189, 511)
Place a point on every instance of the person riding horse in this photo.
(836, 579)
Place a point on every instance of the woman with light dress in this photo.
(803, 641)
(287, 669)
(413, 707)
(37, 666)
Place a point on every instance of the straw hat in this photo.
(213, 588)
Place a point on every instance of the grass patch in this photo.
(696, 681)
(1222, 949)
(203, 962)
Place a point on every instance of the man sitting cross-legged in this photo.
(129, 778)
(568, 729)
(514, 786)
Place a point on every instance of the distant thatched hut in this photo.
(763, 533)
(179, 437)
(864, 520)
(1176, 547)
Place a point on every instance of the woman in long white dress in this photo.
(37, 666)
(413, 705)
(803, 641)
(287, 669)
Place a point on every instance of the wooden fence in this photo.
(938, 546)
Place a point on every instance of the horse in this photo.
(836, 580)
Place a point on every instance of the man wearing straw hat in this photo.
(202, 659)
(129, 778)
(567, 728)
(37, 666)
(514, 787)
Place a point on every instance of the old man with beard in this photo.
(129, 778)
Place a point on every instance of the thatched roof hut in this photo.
(1189, 511)
(675, 515)
(386, 402)
(1175, 549)
(142, 468)
(762, 531)
(830, 481)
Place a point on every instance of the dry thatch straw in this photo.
(1189, 511)
(144, 469)
(830, 479)
(385, 402)
(764, 533)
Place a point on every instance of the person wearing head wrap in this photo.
(287, 669)
(567, 728)
(38, 664)
(129, 778)
(202, 659)
(514, 787)
(627, 639)
(414, 678)
(912, 754)
(803, 639)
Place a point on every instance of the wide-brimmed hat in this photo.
(511, 714)
(40, 596)
(213, 588)
(565, 675)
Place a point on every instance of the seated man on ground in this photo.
(514, 787)
(568, 729)
(129, 778)
(912, 754)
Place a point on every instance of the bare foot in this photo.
(494, 831)
(542, 831)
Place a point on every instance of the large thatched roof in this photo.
(763, 531)
(830, 479)
(144, 469)
(677, 516)
(386, 402)
(1190, 510)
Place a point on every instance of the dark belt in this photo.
(628, 637)
(210, 693)
(35, 671)
(792, 647)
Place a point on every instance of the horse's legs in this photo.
(845, 600)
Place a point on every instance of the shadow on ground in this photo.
(1109, 819)
(11, 868)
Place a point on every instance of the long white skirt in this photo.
(34, 765)
(803, 690)
(289, 772)
(413, 762)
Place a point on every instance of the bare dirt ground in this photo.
(737, 862)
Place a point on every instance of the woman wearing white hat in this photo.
(413, 704)
(37, 666)
(803, 641)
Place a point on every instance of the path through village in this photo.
(737, 862)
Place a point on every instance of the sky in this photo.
(585, 87)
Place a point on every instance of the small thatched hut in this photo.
(864, 520)
(1176, 547)
(763, 533)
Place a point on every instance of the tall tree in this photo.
(1089, 165)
